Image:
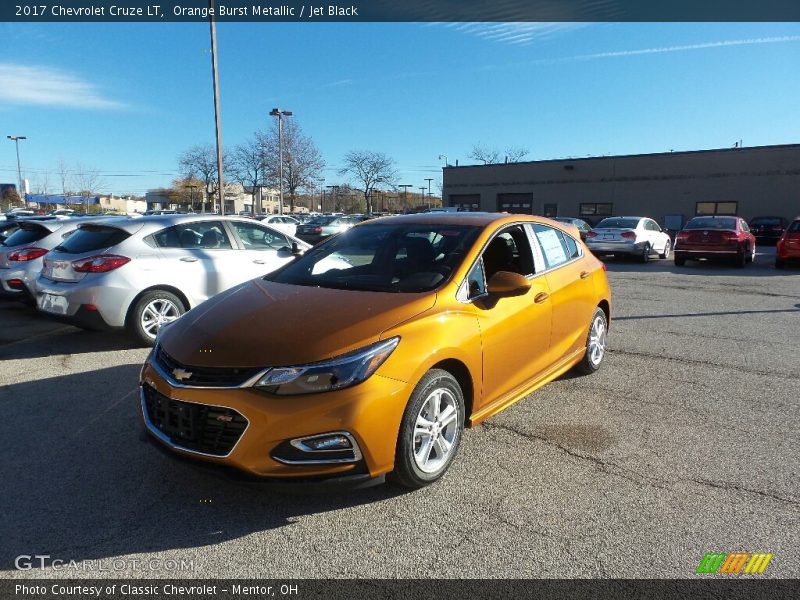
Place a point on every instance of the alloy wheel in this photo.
(435, 430)
(597, 341)
(157, 313)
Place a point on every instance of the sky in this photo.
(126, 99)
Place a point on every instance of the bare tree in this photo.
(302, 161)
(482, 153)
(370, 169)
(249, 165)
(515, 153)
(63, 175)
(512, 154)
(200, 162)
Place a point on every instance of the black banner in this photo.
(401, 10)
(159, 589)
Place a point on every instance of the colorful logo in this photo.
(734, 563)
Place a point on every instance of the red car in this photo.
(788, 247)
(715, 237)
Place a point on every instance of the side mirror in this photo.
(296, 249)
(506, 283)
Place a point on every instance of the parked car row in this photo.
(136, 274)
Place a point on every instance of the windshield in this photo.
(766, 221)
(617, 223)
(712, 223)
(383, 258)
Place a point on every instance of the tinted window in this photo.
(794, 227)
(92, 237)
(618, 223)
(711, 223)
(254, 237)
(202, 234)
(384, 258)
(572, 247)
(554, 248)
(26, 234)
(765, 221)
(508, 251)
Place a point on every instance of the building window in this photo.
(467, 202)
(515, 203)
(550, 210)
(589, 209)
(716, 208)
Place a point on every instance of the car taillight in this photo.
(102, 263)
(27, 254)
(629, 235)
(682, 236)
(317, 229)
(605, 268)
(590, 234)
(728, 236)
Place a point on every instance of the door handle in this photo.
(188, 259)
(585, 274)
(541, 297)
(258, 261)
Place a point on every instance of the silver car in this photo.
(21, 254)
(640, 237)
(142, 273)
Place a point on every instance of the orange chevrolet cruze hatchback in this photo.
(369, 354)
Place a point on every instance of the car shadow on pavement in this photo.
(81, 481)
(762, 266)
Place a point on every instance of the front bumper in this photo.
(370, 412)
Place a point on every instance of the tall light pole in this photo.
(335, 189)
(217, 120)
(422, 193)
(20, 190)
(277, 112)
(429, 179)
(405, 187)
(192, 188)
(444, 156)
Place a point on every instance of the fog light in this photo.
(334, 441)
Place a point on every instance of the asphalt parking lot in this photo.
(685, 442)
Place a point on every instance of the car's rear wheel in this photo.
(679, 260)
(779, 264)
(595, 344)
(430, 431)
(645, 257)
(667, 250)
(152, 311)
(741, 257)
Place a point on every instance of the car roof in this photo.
(149, 223)
(480, 219)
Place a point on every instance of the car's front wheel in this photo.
(152, 311)
(430, 431)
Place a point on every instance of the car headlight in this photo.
(334, 374)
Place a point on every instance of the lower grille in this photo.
(201, 428)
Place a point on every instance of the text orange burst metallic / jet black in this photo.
(369, 354)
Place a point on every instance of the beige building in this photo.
(670, 187)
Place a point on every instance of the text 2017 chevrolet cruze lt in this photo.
(373, 363)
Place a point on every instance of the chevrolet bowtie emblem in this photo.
(181, 374)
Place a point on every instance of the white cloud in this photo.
(687, 47)
(47, 86)
(519, 34)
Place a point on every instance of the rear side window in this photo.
(203, 234)
(555, 249)
(92, 237)
(26, 234)
(794, 227)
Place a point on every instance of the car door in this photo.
(198, 257)
(658, 239)
(263, 249)
(515, 331)
(571, 288)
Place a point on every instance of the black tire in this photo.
(679, 260)
(136, 319)
(741, 257)
(591, 363)
(667, 248)
(407, 470)
(779, 264)
(645, 257)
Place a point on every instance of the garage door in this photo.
(515, 203)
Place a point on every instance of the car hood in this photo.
(263, 324)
